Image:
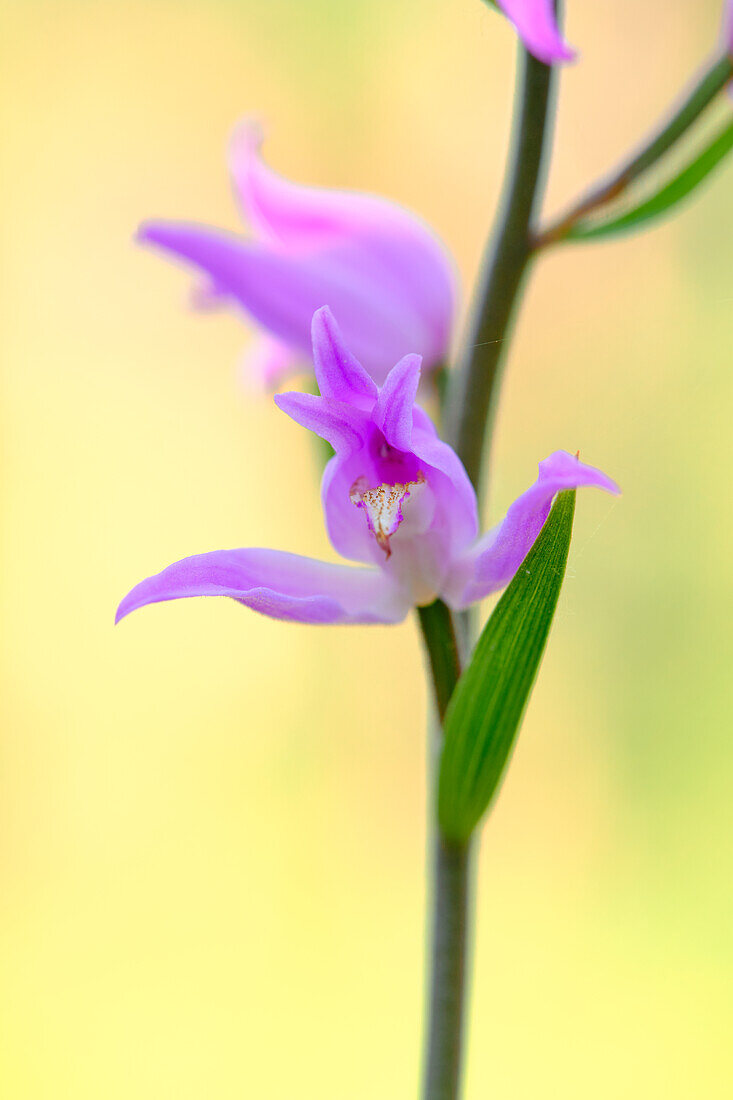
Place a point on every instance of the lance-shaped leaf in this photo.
(666, 198)
(486, 708)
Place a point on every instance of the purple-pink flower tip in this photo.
(537, 26)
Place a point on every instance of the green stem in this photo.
(473, 397)
(710, 84)
(436, 623)
(448, 934)
(449, 949)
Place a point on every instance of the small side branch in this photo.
(710, 84)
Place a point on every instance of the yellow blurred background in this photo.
(212, 825)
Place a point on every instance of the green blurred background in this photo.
(212, 825)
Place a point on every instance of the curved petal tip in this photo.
(561, 466)
(277, 584)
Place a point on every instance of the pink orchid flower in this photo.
(388, 277)
(396, 499)
(536, 25)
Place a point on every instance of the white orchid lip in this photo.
(383, 506)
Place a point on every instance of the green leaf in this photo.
(667, 197)
(486, 708)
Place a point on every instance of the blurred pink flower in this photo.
(396, 498)
(384, 272)
(537, 27)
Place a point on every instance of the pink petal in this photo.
(338, 373)
(281, 585)
(279, 210)
(495, 558)
(537, 27)
(282, 290)
(455, 495)
(394, 411)
(340, 424)
(299, 215)
(390, 246)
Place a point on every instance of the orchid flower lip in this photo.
(383, 504)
